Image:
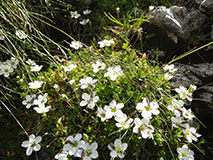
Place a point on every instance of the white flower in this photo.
(143, 128)
(192, 88)
(75, 14)
(71, 81)
(20, 34)
(113, 72)
(90, 151)
(32, 144)
(102, 114)
(36, 68)
(170, 68)
(113, 109)
(42, 109)
(5, 69)
(151, 8)
(187, 114)
(147, 109)
(88, 100)
(88, 82)
(64, 95)
(69, 67)
(55, 86)
(29, 101)
(167, 76)
(74, 144)
(35, 84)
(84, 21)
(13, 62)
(105, 43)
(117, 149)
(184, 153)
(30, 62)
(62, 156)
(87, 11)
(184, 93)
(191, 134)
(98, 66)
(41, 100)
(178, 122)
(76, 45)
(123, 121)
(176, 107)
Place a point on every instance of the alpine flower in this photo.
(98, 66)
(88, 82)
(184, 153)
(89, 100)
(74, 144)
(89, 151)
(35, 84)
(76, 45)
(117, 149)
(147, 109)
(113, 72)
(113, 109)
(32, 144)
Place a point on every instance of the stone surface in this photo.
(206, 6)
(178, 22)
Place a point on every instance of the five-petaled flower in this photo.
(89, 100)
(113, 72)
(74, 144)
(89, 151)
(35, 84)
(32, 144)
(117, 149)
(184, 153)
(76, 45)
(113, 109)
(87, 82)
(147, 109)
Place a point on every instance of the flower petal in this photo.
(29, 151)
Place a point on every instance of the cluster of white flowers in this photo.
(169, 69)
(20, 34)
(105, 42)
(33, 66)
(32, 144)
(40, 101)
(77, 147)
(8, 66)
(182, 116)
(76, 15)
(143, 126)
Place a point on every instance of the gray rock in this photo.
(178, 22)
(205, 6)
